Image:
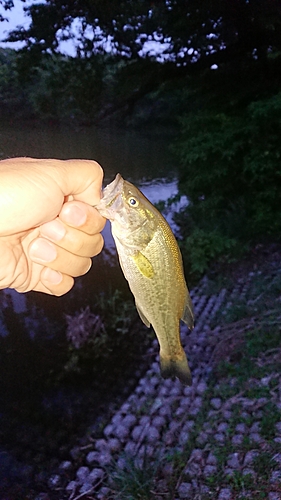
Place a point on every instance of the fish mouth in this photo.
(111, 198)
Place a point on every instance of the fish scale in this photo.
(151, 262)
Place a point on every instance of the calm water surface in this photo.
(142, 158)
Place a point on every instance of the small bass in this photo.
(152, 264)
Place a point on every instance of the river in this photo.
(33, 325)
(141, 158)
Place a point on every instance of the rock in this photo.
(185, 403)
(223, 427)
(241, 428)
(95, 475)
(86, 488)
(209, 470)
(103, 494)
(117, 419)
(129, 421)
(71, 486)
(130, 448)
(211, 459)
(82, 474)
(250, 457)
(122, 432)
(108, 430)
(159, 421)
(278, 427)
(255, 427)
(216, 403)
(114, 445)
(101, 444)
(165, 411)
(152, 435)
(201, 388)
(255, 437)
(194, 411)
(273, 495)
(237, 439)
(277, 458)
(54, 481)
(75, 453)
(92, 457)
(219, 437)
(185, 490)
(193, 470)
(65, 466)
(137, 432)
(187, 391)
(104, 458)
(233, 461)
(225, 494)
(202, 438)
(227, 414)
(247, 471)
(125, 408)
(275, 477)
(184, 437)
(145, 420)
(196, 455)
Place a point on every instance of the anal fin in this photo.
(142, 316)
(187, 315)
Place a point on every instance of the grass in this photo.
(248, 373)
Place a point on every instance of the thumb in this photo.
(81, 179)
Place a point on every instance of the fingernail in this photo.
(42, 251)
(54, 230)
(73, 215)
(51, 276)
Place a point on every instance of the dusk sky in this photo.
(17, 17)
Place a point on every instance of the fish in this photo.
(151, 262)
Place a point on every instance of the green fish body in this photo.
(152, 264)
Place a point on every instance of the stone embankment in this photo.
(219, 439)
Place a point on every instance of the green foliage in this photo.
(230, 171)
(11, 93)
(202, 246)
(136, 480)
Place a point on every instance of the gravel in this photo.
(162, 417)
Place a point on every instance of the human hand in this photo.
(48, 228)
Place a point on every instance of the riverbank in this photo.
(219, 439)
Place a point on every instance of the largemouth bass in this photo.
(152, 264)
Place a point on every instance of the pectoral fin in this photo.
(143, 265)
(188, 316)
(142, 316)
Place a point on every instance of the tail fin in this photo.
(176, 368)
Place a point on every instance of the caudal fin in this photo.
(176, 368)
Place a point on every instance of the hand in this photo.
(48, 228)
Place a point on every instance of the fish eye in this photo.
(133, 202)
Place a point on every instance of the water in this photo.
(144, 160)
(141, 158)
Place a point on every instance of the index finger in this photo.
(82, 216)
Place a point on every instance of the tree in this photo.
(199, 33)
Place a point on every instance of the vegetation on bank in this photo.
(218, 86)
(245, 370)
